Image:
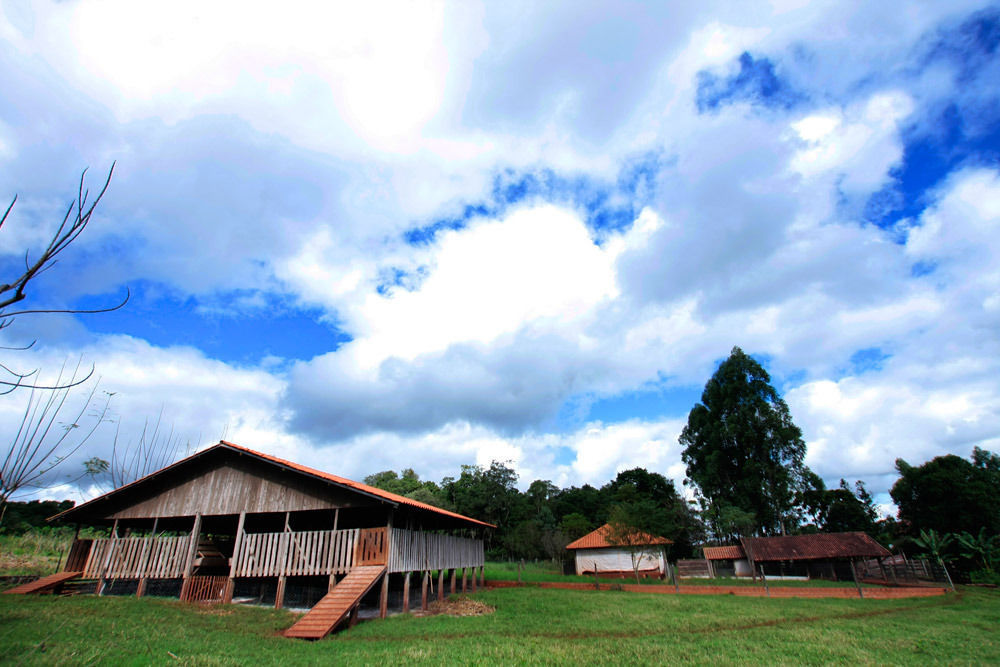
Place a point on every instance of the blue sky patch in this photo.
(756, 82)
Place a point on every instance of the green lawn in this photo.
(538, 572)
(530, 625)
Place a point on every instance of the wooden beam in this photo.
(383, 598)
(144, 563)
(227, 597)
(107, 560)
(406, 592)
(453, 571)
(463, 580)
(441, 584)
(423, 590)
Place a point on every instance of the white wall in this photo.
(609, 559)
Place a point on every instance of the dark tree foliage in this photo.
(742, 449)
(838, 510)
(21, 517)
(487, 494)
(949, 494)
(408, 483)
(653, 506)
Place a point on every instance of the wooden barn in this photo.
(230, 522)
(594, 553)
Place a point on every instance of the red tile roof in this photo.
(812, 547)
(343, 481)
(729, 552)
(598, 539)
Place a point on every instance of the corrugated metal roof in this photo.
(728, 552)
(343, 481)
(598, 539)
(812, 547)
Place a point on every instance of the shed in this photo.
(233, 522)
(817, 556)
(595, 553)
(727, 561)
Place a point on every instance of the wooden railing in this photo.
(303, 553)
(412, 551)
(135, 557)
(296, 553)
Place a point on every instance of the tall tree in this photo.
(742, 449)
(949, 494)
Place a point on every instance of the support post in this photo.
(192, 552)
(597, 583)
(423, 590)
(144, 562)
(107, 559)
(333, 582)
(406, 593)
(383, 598)
(474, 580)
(441, 584)
(227, 597)
(453, 571)
(482, 575)
(763, 578)
(519, 564)
(857, 582)
(463, 581)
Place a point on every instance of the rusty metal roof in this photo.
(729, 552)
(598, 539)
(812, 547)
(342, 481)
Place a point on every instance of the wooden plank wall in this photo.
(135, 557)
(412, 551)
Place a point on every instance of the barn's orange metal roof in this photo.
(342, 481)
(729, 552)
(598, 539)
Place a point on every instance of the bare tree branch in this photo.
(42, 440)
(15, 290)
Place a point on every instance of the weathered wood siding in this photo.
(229, 490)
(412, 551)
(135, 557)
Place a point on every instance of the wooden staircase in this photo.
(334, 607)
(43, 585)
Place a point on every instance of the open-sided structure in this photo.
(819, 556)
(597, 552)
(232, 522)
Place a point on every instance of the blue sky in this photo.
(434, 234)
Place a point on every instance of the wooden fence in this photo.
(411, 551)
(135, 557)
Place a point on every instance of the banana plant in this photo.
(982, 547)
(935, 545)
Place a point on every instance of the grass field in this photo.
(34, 552)
(538, 572)
(530, 625)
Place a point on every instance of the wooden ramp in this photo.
(43, 585)
(334, 607)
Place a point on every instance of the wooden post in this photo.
(423, 590)
(597, 583)
(673, 574)
(192, 552)
(406, 593)
(227, 597)
(463, 581)
(107, 559)
(482, 575)
(519, 563)
(441, 584)
(285, 545)
(383, 598)
(763, 578)
(854, 571)
(141, 589)
(453, 571)
(473, 580)
(354, 616)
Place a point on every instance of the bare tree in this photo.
(14, 289)
(640, 546)
(44, 440)
(134, 459)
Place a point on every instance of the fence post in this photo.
(763, 577)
